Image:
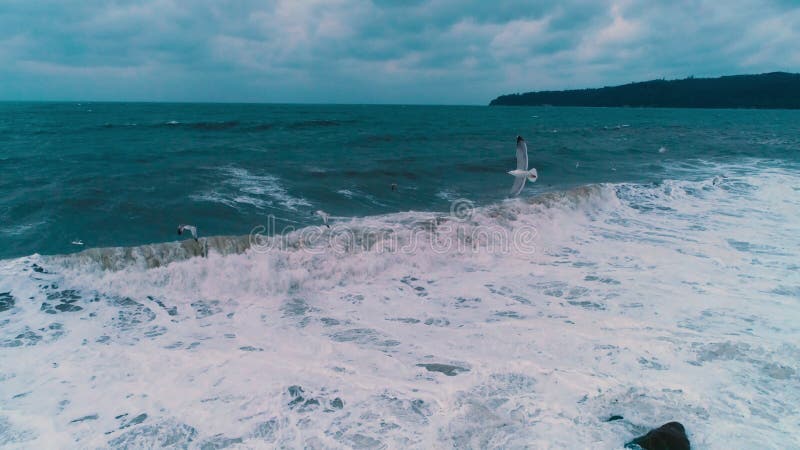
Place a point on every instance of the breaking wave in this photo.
(413, 329)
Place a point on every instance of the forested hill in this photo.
(778, 90)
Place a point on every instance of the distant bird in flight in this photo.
(190, 228)
(324, 216)
(521, 173)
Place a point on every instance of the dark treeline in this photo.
(778, 90)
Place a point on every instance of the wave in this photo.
(551, 213)
(241, 187)
(636, 281)
(314, 123)
(229, 125)
(407, 232)
(151, 255)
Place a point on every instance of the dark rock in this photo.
(670, 436)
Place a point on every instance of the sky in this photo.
(377, 51)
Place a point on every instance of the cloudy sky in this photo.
(377, 51)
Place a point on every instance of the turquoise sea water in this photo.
(650, 273)
(126, 174)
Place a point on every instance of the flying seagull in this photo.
(521, 173)
(190, 228)
(324, 216)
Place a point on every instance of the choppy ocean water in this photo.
(651, 273)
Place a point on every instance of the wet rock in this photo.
(6, 301)
(670, 436)
(446, 369)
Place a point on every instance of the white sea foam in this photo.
(662, 302)
(240, 187)
(447, 195)
(355, 194)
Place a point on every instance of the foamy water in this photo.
(668, 301)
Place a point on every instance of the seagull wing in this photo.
(519, 183)
(522, 154)
(522, 164)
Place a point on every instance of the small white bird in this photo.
(190, 228)
(521, 173)
(324, 216)
(77, 242)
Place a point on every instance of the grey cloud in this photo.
(426, 51)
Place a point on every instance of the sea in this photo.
(650, 275)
